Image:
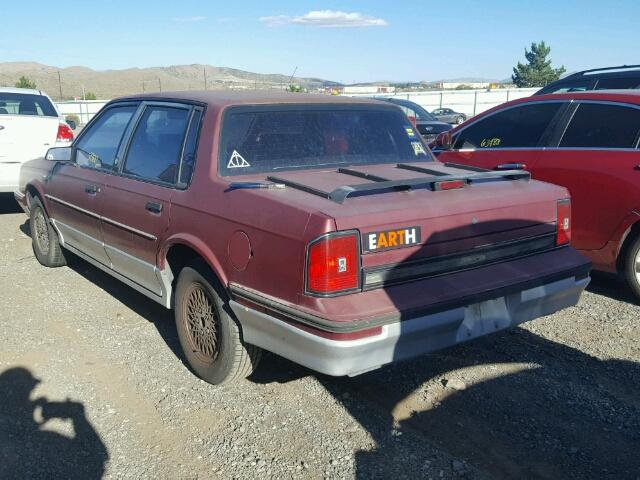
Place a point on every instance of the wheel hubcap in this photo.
(41, 231)
(638, 266)
(201, 322)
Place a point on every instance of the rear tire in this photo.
(44, 238)
(459, 120)
(632, 267)
(209, 336)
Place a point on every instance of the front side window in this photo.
(26, 104)
(268, 139)
(156, 147)
(517, 127)
(597, 125)
(98, 146)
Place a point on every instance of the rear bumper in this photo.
(407, 338)
(9, 176)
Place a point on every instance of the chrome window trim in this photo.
(146, 235)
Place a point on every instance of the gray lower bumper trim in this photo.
(406, 339)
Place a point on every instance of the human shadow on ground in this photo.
(29, 450)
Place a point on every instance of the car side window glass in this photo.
(156, 146)
(98, 146)
(597, 125)
(517, 127)
(618, 83)
(190, 149)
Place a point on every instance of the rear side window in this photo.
(26, 104)
(518, 127)
(568, 86)
(98, 146)
(156, 146)
(618, 83)
(279, 138)
(602, 126)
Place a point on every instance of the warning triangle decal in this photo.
(236, 161)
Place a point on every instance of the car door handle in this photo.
(91, 189)
(511, 166)
(153, 207)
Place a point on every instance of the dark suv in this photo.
(318, 228)
(611, 78)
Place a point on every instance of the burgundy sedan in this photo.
(318, 228)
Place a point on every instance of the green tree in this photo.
(537, 72)
(25, 82)
(90, 96)
(295, 88)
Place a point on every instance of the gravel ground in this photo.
(557, 398)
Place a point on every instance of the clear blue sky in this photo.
(378, 40)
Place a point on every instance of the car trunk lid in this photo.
(492, 215)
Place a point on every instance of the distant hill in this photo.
(114, 83)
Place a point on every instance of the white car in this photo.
(30, 124)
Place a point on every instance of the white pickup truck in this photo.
(30, 124)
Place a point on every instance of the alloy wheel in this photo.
(41, 231)
(201, 323)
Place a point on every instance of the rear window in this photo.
(262, 139)
(597, 125)
(26, 104)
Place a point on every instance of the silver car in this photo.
(449, 116)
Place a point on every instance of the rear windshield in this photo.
(26, 104)
(262, 139)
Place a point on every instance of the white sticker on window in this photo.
(236, 161)
(418, 149)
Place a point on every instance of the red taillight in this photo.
(413, 121)
(333, 264)
(563, 227)
(65, 134)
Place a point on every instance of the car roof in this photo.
(26, 91)
(623, 96)
(224, 98)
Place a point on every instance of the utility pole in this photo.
(142, 86)
(159, 84)
(292, 75)
(60, 84)
(204, 72)
(83, 95)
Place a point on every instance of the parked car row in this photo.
(325, 230)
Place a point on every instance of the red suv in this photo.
(315, 227)
(587, 142)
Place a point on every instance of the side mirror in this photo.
(72, 124)
(59, 154)
(444, 141)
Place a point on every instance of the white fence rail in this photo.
(83, 109)
(470, 102)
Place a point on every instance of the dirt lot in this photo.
(559, 398)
